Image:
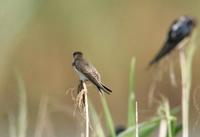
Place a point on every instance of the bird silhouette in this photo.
(179, 30)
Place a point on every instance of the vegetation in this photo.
(165, 121)
(35, 32)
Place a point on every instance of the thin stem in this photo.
(109, 121)
(131, 100)
(169, 120)
(163, 128)
(42, 116)
(136, 120)
(186, 73)
(86, 111)
(185, 94)
(22, 116)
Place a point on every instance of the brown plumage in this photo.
(87, 72)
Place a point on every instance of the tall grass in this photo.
(95, 122)
(108, 117)
(135, 129)
(42, 116)
(186, 58)
(87, 126)
(131, 101)
(166, 118)
(22, 115)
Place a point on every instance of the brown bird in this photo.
(87, 72)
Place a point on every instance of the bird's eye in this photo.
(189, 23)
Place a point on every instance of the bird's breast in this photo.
(81, 75)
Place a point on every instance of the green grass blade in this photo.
(145, 129)
(108, 117)
(132, 101)
(167, 116)
(98, 129)
(177, 130)
(22, 117)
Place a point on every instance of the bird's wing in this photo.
(177, 32)
(92, 74)
(89, 71)
(166, 49)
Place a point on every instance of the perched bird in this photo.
(179, 30)
(87, 72)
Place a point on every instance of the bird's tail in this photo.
(104, 89)
(167, 48)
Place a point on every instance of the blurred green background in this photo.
(38, 37)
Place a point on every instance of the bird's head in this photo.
(191, 21)
(77, 54)
(194, 22)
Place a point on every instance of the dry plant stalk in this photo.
(186, 58)
(163, 128)
(82, 103)
(185, 95)
(40, 124)
(43, 124)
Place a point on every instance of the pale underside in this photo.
(81, 75)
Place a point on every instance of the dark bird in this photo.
(118, 130)
(87, 72)
(179, 30)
